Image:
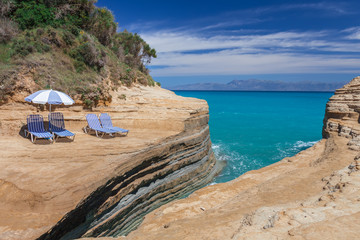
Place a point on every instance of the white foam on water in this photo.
(302, 144)
(237, 164)
(215, 146)
(290, 149)
(220, 152)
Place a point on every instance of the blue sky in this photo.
(219, 41)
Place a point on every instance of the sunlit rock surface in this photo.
(313, 195)
(102, 186)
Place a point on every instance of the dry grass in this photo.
(54, 63)
(8, 30)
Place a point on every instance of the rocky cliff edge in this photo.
(313, 195)
(101, 186)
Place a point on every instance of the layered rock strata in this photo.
(313, 195)
(102, 187)
(342, 113)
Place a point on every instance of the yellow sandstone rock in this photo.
(95, 186)
(313, 195)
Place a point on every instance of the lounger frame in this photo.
(57, 126)
(35, 124)
(94, 124)
(106, 122)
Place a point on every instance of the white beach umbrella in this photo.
(50, 97)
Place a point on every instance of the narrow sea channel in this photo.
(251, 130)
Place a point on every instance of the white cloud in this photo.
(354, 33)
(185, 53)
(231, 62)
(180, 42)
(337, 8)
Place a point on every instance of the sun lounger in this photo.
(107, 123)
(94, 124)
(57, 126)
(35, 127)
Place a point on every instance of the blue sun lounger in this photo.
(35, 125)
(57, 126)
(94, 124)
(107, 123)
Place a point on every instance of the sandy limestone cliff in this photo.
(313, 195)
(101, 187)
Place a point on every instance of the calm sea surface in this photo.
(251, 130)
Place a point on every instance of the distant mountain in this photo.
(263, 85)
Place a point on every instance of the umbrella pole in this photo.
(50, 108)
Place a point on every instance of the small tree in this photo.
(136, 51)
(102, 25)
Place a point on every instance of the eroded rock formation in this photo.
(313, 195)
(92, 192)
(342, 113)
(102, 187)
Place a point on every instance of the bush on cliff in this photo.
(133, 49)
(70, 45)
(31, 14)
(102, 25)
(88, 53)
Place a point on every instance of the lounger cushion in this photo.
(35, 124)
(57, 125)
(93, 123)
(107, 123)
(64, 133)
(117, 129)
(42, 134)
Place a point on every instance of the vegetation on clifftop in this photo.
(69, 45)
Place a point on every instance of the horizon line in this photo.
(295, 91)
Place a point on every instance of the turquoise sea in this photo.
(251, 130)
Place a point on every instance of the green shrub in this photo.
(28, 43)
(151, 81)
(21, 47)
(89, 103)
(68, 38)
(88, 53)
(31, 14)
(74, 30)
(102, 25)
(79, 66)
(4, 53)
(126, 79)
(41, 48)
(91, 95)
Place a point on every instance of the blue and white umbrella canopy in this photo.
(50, 97)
